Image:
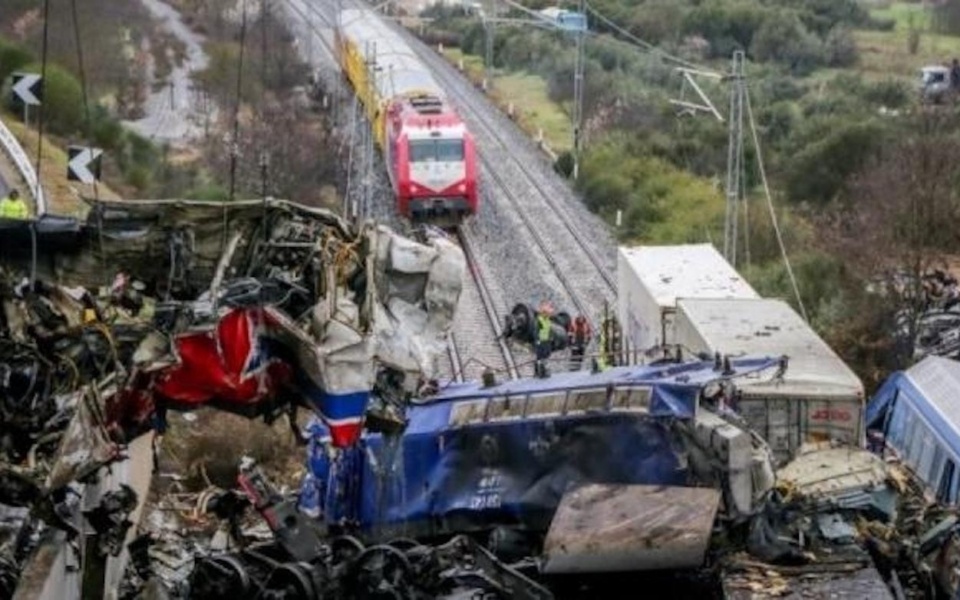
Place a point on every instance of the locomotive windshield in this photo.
(450, 150)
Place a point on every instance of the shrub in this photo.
(62, 100)
(564, 164)
(820, 172)
(890, 93)
(783, 38)
(840, 48)
(12, 58)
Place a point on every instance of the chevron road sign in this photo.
(28, 88)
(84, 164)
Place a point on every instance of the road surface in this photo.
(174, 113)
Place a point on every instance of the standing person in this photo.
(543, 339)
(579, 334)
(13, 207)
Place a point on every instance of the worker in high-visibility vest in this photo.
(13, 207)
(543, 341)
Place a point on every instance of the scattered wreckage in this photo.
(508, 491)
(252, 307)
(521, 325)
(414, 488)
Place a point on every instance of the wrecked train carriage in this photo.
(476, 458)
(846, 523)
(254, 295)
(913, 416)
(198, 288)
(818, 398)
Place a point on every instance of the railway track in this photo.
(530, 218)
(477, 342)
(584, 271)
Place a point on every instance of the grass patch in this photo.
(63, 196)
(533, 107)
(208, 449)
(902, 13)
(885, 52)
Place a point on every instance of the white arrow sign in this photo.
(23, 87)
(78, 169)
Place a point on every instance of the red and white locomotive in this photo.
(430, 154)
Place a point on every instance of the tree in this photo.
(784, 38)
(897, 223)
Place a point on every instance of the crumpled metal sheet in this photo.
(825, 472)
(620, 528)
(419, 286)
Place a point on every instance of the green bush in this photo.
(727, 26)
(820, 278)
(12, 58)
(62, 100)
(840, 48)
(140, 177)
(880, 24)
(209, 191)
(820, 172)
(783, 38)
(564, 164)
(106, 131)
(890, 93)
(660, 202)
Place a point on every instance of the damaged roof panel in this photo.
(766, 326)
(611, 528)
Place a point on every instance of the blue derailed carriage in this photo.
(473, 458)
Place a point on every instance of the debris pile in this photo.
(843, 522)
(58, 359)
(937, 330)
(305, 562)
(252, 307)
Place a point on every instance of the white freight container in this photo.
(818, 398)
(651, 278)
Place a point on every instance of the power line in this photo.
(643, 43)
(83, 84)
(236, 108)
(773, 214)
(235, 142)
(43, 79)
(40, 120)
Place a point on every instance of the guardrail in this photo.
(13, 149)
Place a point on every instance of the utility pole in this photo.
(578, 91)
(489, 39)
(263, 50)
(734, 159)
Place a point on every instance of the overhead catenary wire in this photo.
(81, 68)
(40, 123)
(645, 44)
(769, 198)
(235, 142)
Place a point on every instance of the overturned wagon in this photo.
(498, 461)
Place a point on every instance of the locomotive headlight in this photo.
(462, 188)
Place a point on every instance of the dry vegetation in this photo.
(63, 196)
(205, 449)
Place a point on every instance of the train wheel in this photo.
(290, 582)
(524, 322)
(380, 572)
(220, 577)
